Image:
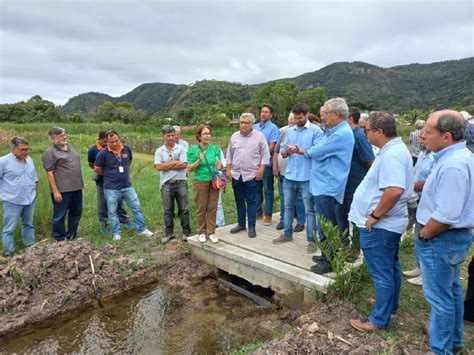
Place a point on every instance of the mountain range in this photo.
(399, 88)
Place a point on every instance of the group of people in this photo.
(352, 171)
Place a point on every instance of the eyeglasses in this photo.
(245, 122)
(370, 130)
(23, 149)
(206, 134)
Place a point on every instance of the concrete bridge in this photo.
(282, 267)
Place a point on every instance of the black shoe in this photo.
(238, 228)
(321, 268)
(259, 215)
(252, 232)
(319, 258)
(280, 226)
(298, 228)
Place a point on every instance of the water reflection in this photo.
(157, 320)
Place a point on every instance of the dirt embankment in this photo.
(50, 279)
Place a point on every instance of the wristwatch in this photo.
(374, 216)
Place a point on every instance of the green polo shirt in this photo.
(212, 153)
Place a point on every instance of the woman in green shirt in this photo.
(204, 159)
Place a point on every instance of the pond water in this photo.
(205, 318)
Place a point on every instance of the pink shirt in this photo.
(246, 154)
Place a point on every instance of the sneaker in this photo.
(282, 239)
(280, 226)
(117, 237)
(202, 238)
(252, 232)
(214, 238)
(167, 238)
(267, 220)
(146, 233)
(418, 281)
(129, 225)
(412, 273)
(311, 248)
(238, 228)
(364, 325)
(298, 228)
(104, 230)
(321, 268)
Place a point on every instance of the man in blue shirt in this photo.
(298, 140)
(362, 159)
(329, 171)
(271, 133)
(379, 210)
(114, 164)
(18, 190)
(446, 216)
(99, 183)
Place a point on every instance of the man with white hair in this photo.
(446, 216)
(247, 157)
(414, 140)
(177, 138)
(469, 133)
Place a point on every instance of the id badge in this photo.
(120, 169)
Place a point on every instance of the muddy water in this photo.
(153, 320)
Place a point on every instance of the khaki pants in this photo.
(206, 206)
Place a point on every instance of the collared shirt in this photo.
(361, 154)
(270, 131)
(66, 165)
(448, 193)
(17, 180)
(423, 165)
(299, 166)
(414, 140)
(392, 167)
(246, 154)
(91, 155)
(163, 155)
(331, 162)
(206, 169)
(115, 168)
(282, 162)
(183, 143)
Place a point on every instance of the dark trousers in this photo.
(71, 205)
(245, 194)
(102, 208)
(171, 191)
(469, 302)
(266, 189)
(342, 218)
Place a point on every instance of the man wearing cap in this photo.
(18, 190)
(171, 162)
(271, 133)
(446, 216)
(114, 164)
(63, 170)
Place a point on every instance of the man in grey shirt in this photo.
(171, 162)
(63, 168)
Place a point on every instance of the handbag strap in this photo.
(207, 162)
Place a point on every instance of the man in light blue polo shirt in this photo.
(446, 216)
(18, 190)
(379, 210)
(271, 133)
(331, 158)
(297, 141)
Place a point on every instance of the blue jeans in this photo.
(326, 206)
(380, 248)
(267, 185)
(312, 225)
(299, 203)
(245, 194)
(440, 261)
(293, 190)
(11, 213)
(220, 221)
(102, 208)
(128, 194)
(71, 205)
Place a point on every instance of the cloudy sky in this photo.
(62, 48)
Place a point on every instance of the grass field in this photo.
(145, 139)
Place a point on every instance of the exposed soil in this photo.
(50, 279)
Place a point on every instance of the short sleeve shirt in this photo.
(163, 155)
(116, 168)
(360, 156)
(212, 153)
(66, 165)
(91, 155)
(17, 180)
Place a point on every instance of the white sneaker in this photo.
(146, 233)
(412, 273)
(214, 238)
(418, 281)
(202, 238)
(117, 237)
